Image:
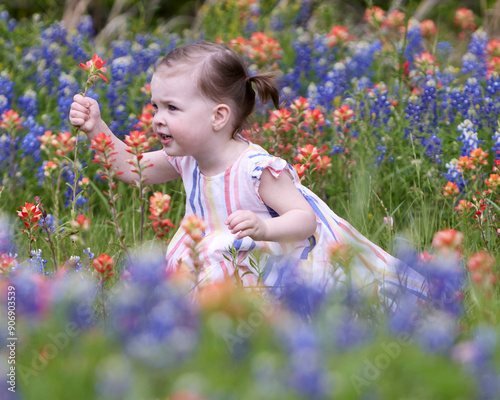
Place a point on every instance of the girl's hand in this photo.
(245, 223)
(84, 113)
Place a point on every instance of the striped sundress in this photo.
(214, 198)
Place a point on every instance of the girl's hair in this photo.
(222, 76)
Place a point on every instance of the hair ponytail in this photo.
(266, 86)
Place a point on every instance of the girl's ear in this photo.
(220, 116)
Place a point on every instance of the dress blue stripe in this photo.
(193, 190)
(318, 212)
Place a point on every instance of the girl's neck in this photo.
(220, 160)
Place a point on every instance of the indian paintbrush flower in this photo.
(95, 68)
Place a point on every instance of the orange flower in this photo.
(314, 118)
(342, 114)
(450, 189)
(146, 119)
(338, 36)
(395, 19)
(49, 168)
(94, 67)
(425, 62)
(137, 143)
(300, 169)
(194, 227)
(63, 143)
(428, 29)
(480, 265)
(103, 266)
(478, 156)
(493, 48)
(300, 105)
(447, 240)
(81, 222)
(493, 181)
(493, 66)
(10, 120)
(463, 205)
(374, 16)
(464, 18)
(321, 164)
(30, 214)
(465, 163)
(307, 154)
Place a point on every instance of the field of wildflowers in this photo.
(397, 129)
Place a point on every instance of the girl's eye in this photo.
(172, 108)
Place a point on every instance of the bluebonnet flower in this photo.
(67, 88)
(303, 61)
(50, 221)
(477, 356)
(75, 48)
(28, 102)
(11, 24)
(453, 174)
(305, 367)
(446, 278)
(303, 15)
(89, 253)
(414, 44)
(422, 112)
(86, 26)
(152, 318)
(36, 263)
(361, 61)
(30, 145)
(74, 298)
(444, 50)
(468, 136)
(4, 15)
(6, 92)
(293, 292)
(437, 332)
(496, 143)
(475, 60)
(382, 150)
(334, 84)
(6, 235)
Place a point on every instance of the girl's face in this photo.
(183, 117)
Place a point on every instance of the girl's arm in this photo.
(86, 115)
(296, 221)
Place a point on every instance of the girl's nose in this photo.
(158, 119)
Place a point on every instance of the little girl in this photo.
(252, 202)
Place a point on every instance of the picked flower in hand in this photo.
(94, 67)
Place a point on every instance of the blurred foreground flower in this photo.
(159, 205)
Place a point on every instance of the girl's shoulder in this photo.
(257, 159)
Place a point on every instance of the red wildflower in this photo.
(448, 241)
(428, 29)
(450, 189)
(30, 214)
(338, 36)
(81, 222)
(194, 227)
(395, 19)
(94, 67)
(464, 18)
(10, 120)
(103, 266)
